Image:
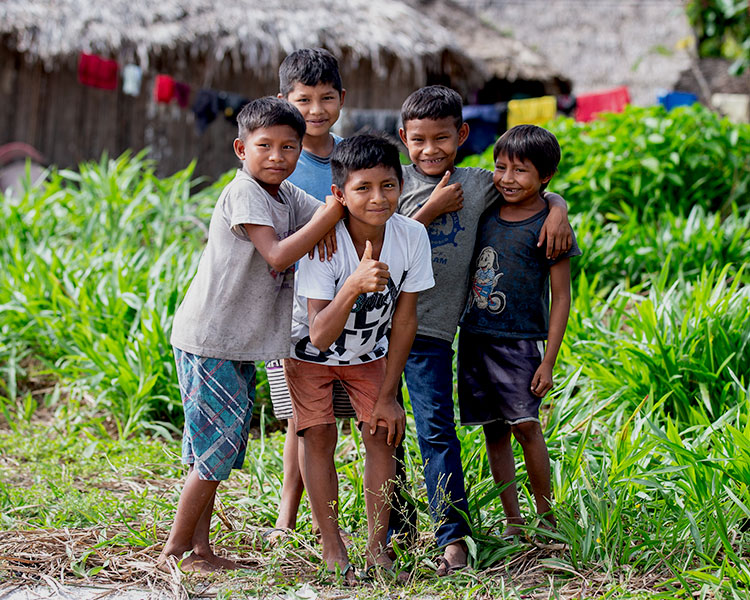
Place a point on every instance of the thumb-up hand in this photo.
(371, 275)
(367, 254)
(447, 198)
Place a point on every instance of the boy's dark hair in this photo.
(363, 151)
(433, 102)
(532, 143)
(309, 66)
(267, 112)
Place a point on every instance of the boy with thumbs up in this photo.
(343, 309)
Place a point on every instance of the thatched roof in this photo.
(501, 56)
(255, 35)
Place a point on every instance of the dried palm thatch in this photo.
(501, 56)
(240, 35)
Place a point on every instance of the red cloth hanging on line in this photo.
(164, 88)
(97, 72)
(590, 105)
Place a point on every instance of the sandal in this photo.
(275, 535)
(446, 569)
(343, 573)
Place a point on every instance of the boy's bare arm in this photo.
(281, 254)
(403, 330)
(328, 317)
(559, 274)
(443, 199)
(556, 231)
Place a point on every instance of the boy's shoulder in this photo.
(401, 222)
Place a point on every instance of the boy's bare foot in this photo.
(385, 570)
(512, 531)
(225, 564)
(189, 564)
(454, 559)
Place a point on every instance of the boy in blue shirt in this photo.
(449, 202)
(308, 78)
(260, 227)
(503, 368)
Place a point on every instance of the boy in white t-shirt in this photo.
(238, 309)
(343, 310)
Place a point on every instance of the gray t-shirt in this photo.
(237, 307)
(452, 238)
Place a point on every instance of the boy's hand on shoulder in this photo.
(542, 382)
(391, 412)
(556, 231)
(370, 275)
(326, 247)
(446, 197)
(334, 204)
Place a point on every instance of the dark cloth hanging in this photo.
(182, 94)
(205, 108)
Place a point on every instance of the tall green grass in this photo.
(94, 264)
(648, 426)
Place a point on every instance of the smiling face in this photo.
(518, 180)
(370, 195)
(269, 154)
(319, 104)
(433, 143)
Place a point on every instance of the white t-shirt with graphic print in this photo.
(406, 251)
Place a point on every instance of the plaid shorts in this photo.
(282, 401)
(217, 396)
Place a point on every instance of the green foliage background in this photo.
(648, 427)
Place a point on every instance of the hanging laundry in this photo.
(531, 111)
(205, 108)
(566, 104)
(486, 122)
(590, 105)
(182, 94)
(736, 107)
(672, 100)
(131, 80)
(97, 72)
(163, 89)
(233, 104)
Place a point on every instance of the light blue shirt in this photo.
(313, 173)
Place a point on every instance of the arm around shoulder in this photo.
(281, 254)
(556, 231)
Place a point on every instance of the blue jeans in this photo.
(429, 379)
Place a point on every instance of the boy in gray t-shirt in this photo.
(237, 310)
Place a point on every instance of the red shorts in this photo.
(311, 388)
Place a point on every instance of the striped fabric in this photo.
(217, 397)
(282, 402)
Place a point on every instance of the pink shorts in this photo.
(311, 388)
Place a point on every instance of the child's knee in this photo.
(319, 436)
(378, 441)
(495, 431)
(527, 432)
